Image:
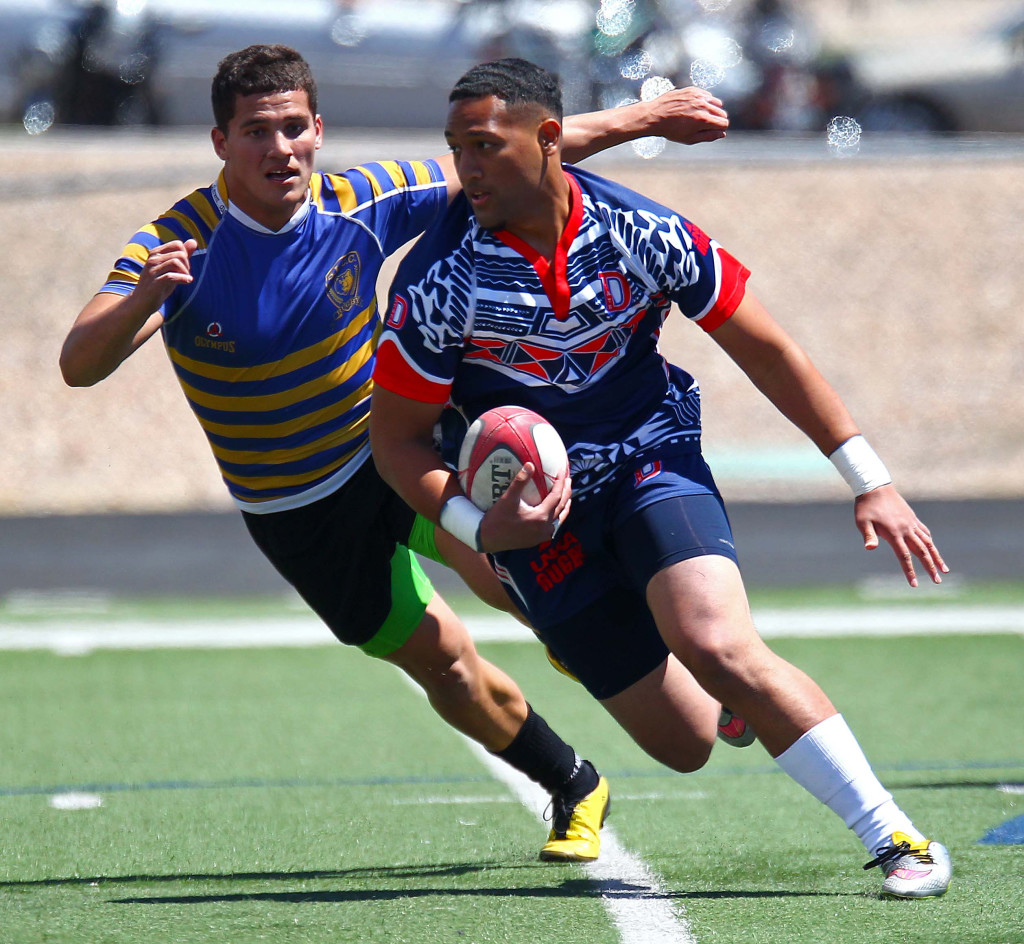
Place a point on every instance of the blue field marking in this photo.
(1010, 833)
(239, 783)
(234, 784)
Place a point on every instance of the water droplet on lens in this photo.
(345, 31)
(778, 37)
(649, 148)
(843, 135)
(654, 86)
(38, 117)
(614, 17)
(636, 65)
(706, 74)
(133, 70)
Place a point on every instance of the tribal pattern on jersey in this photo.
(479, 319)
(273, 341)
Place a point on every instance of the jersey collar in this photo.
(554, 276)
(221, 196)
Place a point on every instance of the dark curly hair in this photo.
(514, 81)
(259, 70)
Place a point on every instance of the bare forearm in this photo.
(801, 394)
(416, 473)
(686, 116)
(780, 369)
(401, 437)
(108, 330)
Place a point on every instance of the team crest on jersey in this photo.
(343, 283)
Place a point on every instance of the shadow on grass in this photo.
(570, 888)
(960, 784)
(399, 871)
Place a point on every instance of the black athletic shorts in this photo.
(347, 555)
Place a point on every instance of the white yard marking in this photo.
(75, 801)
(77, 637)
(631, 893)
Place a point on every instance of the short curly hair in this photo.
(259, 70)
(514, 81)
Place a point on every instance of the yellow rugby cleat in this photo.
(576, 827)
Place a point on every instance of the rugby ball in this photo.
(498, 444)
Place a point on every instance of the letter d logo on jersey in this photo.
(616, 291)
(399, 309)
(647, 471)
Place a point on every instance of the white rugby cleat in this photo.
(913, 869)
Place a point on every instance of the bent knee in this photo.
(718, 659)
(685, 758)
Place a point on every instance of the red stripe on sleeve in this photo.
(730, 294)
(393, 372)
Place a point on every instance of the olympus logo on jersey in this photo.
(214, 339)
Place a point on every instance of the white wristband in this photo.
(462, 519)
(860, 466)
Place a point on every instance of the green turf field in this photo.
(309, 795)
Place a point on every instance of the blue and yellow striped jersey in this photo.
(273, 341)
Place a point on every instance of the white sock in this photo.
(829, 764)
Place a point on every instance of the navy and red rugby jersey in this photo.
(479, 319)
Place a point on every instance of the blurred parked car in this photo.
(763, 58)
(968, 84)
(378, 63)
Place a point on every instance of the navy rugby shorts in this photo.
(584, 591)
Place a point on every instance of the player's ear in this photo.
(318, 124)
(220, 143)
(549, 135)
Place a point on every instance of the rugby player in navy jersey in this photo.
(262, 286)
(546, 287)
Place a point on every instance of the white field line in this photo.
(73, 637)
(632, 895)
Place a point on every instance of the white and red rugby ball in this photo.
(498, 444)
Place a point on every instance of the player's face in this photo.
(505, 157)
(268, 154)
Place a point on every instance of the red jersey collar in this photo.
(553, 276)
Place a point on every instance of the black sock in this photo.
(546, 759)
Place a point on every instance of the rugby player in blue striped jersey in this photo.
(262, 287)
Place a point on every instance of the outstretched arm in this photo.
(112, 327)
(401, 437)
(686, 116)
(783, 372)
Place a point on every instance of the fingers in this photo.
(170, 262)
(514, 523)
(911, 541)
(920, 543)
(906, 560)
(519, 482)
(867, 529)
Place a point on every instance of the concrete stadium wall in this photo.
(903, 279)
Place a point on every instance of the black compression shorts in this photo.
(347, 555)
